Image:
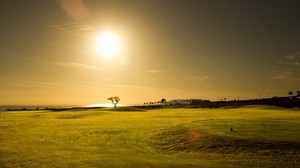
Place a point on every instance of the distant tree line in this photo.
(292, 100)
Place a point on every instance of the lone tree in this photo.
(114, 100)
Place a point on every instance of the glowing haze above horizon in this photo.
(50, 52)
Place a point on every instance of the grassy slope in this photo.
(157, 138)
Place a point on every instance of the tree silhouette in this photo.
(290, 93)
(298, 93)
(114, 100)
(163, 100)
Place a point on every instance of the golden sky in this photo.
(170, 49)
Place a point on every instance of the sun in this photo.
(108, 44)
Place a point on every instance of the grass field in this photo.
(253, 136)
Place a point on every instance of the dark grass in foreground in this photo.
(256, 136)
(246, 152)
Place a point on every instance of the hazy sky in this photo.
(206, 49)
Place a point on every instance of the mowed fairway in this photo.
(254, 136)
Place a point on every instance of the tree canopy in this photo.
(114, 100)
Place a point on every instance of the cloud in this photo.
(154, 71)
(199, 78)
(288, 74)
(290, 63)
(291, 60)
(290, 57)
(74, 28)
(50, 85)
(76, 65)
(285, 78)
(66, 64)
(282, 74)
(131, 86)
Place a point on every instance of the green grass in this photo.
(129, 137)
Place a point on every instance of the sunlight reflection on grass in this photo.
(104, 105)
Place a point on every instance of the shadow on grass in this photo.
(125, 109)
(247, 152)
(194, 140)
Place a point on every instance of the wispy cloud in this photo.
(290, 57)
(282, 74)
(294, 63)
(287, 75)
(199, 78)
(285, 79)
(73, 28)
(131, 86)
(155, 71)
(76, 65)
(289, 71)
(291, 60)
(66, 64)
(49, 85)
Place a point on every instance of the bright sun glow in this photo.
(108, 44)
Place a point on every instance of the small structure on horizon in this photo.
(175, 102)
(180, 102)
